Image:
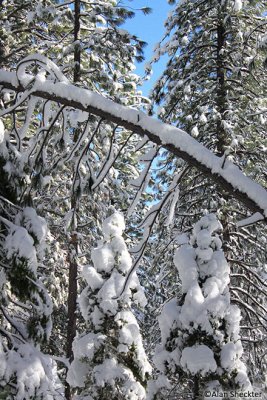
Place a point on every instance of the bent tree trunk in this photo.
(225, 174)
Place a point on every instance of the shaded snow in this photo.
(35, 373)
(20, 244)
(2, 131)
(198, 359)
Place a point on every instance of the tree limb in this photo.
(227, 176)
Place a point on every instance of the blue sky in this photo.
(149, 28)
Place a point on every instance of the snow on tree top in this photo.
(113, 225)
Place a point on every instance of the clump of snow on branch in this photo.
(35, 373)
(200, 333)
(24, 247)
(238, 5)
(111, 322)
(2, 131)
(198, 358)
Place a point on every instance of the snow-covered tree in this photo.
(215, 73)
(25, 306)
(69, 155)
(83, 38)
(77, 150)
(214, 87)
(109, 358)
(252, 194)
(200, 332)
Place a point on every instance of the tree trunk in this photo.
(196, 388)
(221, 90)
(77, 45)
(72, 302)
(73, 267)
(222, 139)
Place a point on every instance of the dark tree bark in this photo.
(73, 250)
(72, 304)
(221, 100)
(196, 388)
(77, 45)
(221, 91)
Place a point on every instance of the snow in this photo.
(20, 244)
(198, 359)
(3, 362)
(194, 310)
(163, 133)
(47, 65)
(111, 321)
(30, 16)
(233, 318)
(157, 385)
(204, 311)
(185, 262)
(250, 220)
(77, 373)
(107, 164)
(205, 261)
(195, 132)
(113, 226)
(174, 201)
(109, 293)
(203, 118)
(142, 180)
(110, 370)
(2, 278)
(87, 345)
(238, 5)
(34, 224)
(130, 335)
(93, 278)
(184, 40)
(209, 222)
(230, 354)
(167, 318)
(242, 377)
(103, 258)
(2, 131)
(35, 373)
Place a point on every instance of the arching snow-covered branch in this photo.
(228, 176)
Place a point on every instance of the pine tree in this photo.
(25, 306)
(109, 359)
(215, 56)
(214, 88)
(69, 165)
(200, 332)
(85, 40)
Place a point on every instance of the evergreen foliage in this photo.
(62, 168)
(214, 88)
(200, 332)
(109, 360)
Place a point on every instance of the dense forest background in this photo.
(132, 229)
